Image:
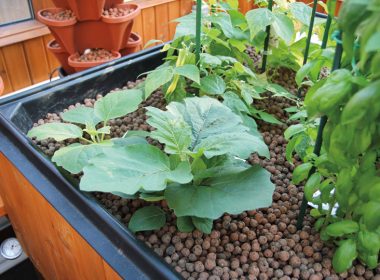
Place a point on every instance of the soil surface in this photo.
(63, 15)
(117, 12)
(259, 244)
(94, 55)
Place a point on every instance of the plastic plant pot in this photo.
(84, 65)
(61, 55)
(62, 30)
(1, 86)
(119, 28)
(132, 45)
(87, 9)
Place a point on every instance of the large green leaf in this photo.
(344, 255)
(57, 131)
(189, 71)
(213, 85)
(75, 157)
(215, 129)
(185, 26)
(247, 190)
(131, 169)
(147, 218)
(284, 28)
(83, 115)
(117, 104)
(258, 19)
(157, 78)
(172, 130)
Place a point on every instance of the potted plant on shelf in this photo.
(76, 32)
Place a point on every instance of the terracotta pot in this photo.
(61, 4)
(80, 66)
(110, 3)
(132, 45)
(62, 55)
(62, 30)
(119, 29)
(87, 9)
(1, 86)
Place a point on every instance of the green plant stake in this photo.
(198, 31)
(322, 123)
(266, 43)
(309, 34)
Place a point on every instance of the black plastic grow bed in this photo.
(119, 248)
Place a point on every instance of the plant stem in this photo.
(86, 140)
(104, 124)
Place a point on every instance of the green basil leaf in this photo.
(157, 78)
(344, 255)
(284, 28)
(258, 19)
(293, 130)
(301, 172)
(341, 228)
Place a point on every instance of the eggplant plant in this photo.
(89, 127)
(201, 173)
(346, 183)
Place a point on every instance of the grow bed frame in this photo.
(47, 212)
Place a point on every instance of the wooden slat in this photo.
(174, 13)
(137, 27)
(54, 247)
(37, 60)
(16, 66)
(162, 22)
(149, 24)
(4, 75)
(186, 6)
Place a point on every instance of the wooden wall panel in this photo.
(16, 66)
(29, 62)
(37, 64)
(54, 247)
(162, 22)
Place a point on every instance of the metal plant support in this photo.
(198, 30)
(266, 42)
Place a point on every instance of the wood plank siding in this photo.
(54, 247)
(27, 62)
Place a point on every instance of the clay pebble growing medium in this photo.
(62, 15)
(260, 244)
(116, 12)
(94, 55)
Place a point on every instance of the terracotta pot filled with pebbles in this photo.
(61, 23)
(90, 58)
(261, 244)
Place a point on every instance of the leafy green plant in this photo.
(201, 173)
(345, 185)
(82, 121)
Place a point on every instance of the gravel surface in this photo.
(116, 12)
(259, 244)
(94, 55)
(63, 15)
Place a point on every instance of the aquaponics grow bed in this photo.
(65, 232)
